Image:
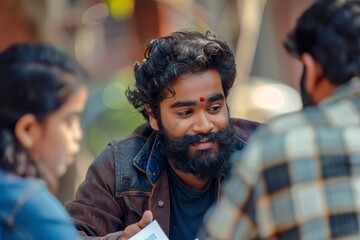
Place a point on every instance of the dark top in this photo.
(188, 207)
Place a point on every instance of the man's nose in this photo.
(203, 124)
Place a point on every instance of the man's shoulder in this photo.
(288, 133)
(244, 128)
(126, 154)
(135, 148)
(311, 117)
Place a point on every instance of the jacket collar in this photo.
(149, 159)
(344, 91)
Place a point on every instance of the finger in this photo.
(146, 219)
(130, 231)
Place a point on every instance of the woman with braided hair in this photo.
(42, 97)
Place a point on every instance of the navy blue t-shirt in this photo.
(188, 207)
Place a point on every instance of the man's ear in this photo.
(152, 118)
(313, 70)
(26, 130)
(316, 84)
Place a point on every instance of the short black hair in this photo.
(329, 30)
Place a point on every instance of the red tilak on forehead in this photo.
(201, 99)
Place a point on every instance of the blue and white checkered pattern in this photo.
(299, 178)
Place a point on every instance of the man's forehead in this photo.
(194, 102)
(197, 87)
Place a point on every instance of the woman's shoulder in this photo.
(29, 208)
(20, 193)
(16, 190)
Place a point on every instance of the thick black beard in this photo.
(205, 163)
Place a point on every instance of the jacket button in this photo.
(161, 203)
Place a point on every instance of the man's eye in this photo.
(214, 109)
(184, 113)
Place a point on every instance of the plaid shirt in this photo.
(299, 178)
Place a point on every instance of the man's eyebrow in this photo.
(183, 104)
(216, 98)
(194, 103)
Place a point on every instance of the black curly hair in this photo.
(170, 56)
(330, 32)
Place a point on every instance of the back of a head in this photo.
(329, 30)
(35, 79)
(170, 56)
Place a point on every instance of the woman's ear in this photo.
(26, 130)
(152, 118)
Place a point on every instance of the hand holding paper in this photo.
(133, 229)
(152, 231)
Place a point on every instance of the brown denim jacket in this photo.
(126, 179)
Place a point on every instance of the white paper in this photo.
(152, 231)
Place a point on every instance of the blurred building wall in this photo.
(16, 25)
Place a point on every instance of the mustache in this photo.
(182, 144)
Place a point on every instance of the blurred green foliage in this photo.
(108, 114)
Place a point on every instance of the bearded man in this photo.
(172, 165)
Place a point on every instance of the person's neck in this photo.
(189, 179)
